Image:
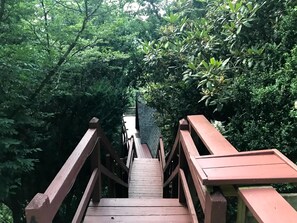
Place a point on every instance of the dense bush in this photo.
(233, 61)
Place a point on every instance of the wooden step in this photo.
(145, 179)
(137, 210)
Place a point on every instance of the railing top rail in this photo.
(214, 141)
(65, 178)
(44, 206)
(131, 150)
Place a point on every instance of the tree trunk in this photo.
(2, 9)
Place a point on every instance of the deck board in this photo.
(137, 210)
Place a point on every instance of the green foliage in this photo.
(233, 61)
(62, 62)
(5, 214)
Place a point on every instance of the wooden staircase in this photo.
(135, 188)
(145, 179)
(145, 202)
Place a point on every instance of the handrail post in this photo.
(96, 161)
(183, 125)
(215, 208)
(38, 210)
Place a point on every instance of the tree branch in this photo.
(52, 72)
(45, 15)
(68, 7)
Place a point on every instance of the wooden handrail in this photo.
(187, 195)
(172, 176)
(189, 149)
(79, 214)
(131, 151)
(214, 206)
(161, 153)
(44, 206)
(213, 140)
(116, 179)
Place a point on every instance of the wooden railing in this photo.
(197, 137)
(44, 206)
(131, 152)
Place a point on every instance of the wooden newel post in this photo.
(215, 208)
(38, 210)
(96, 160)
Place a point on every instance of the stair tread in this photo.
(137, 210)
(132, 211)
(137, 219)
(158, 202)
(145, 179)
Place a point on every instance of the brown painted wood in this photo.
(188, 144)
(136, 211)
(39, 210)
(190, 152)
(268, 206)
(138, 219)
(46, 209)
(222, 162)
(162, 151)
(255, 167)
(213, 205)
(136, 202)
(215, 208)
(131, 146)
(95, 165)
(145, 152)
(65, 178)
(285, 159)
(188, 196)
(145, 179)
(214, 141)
(79, 214)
